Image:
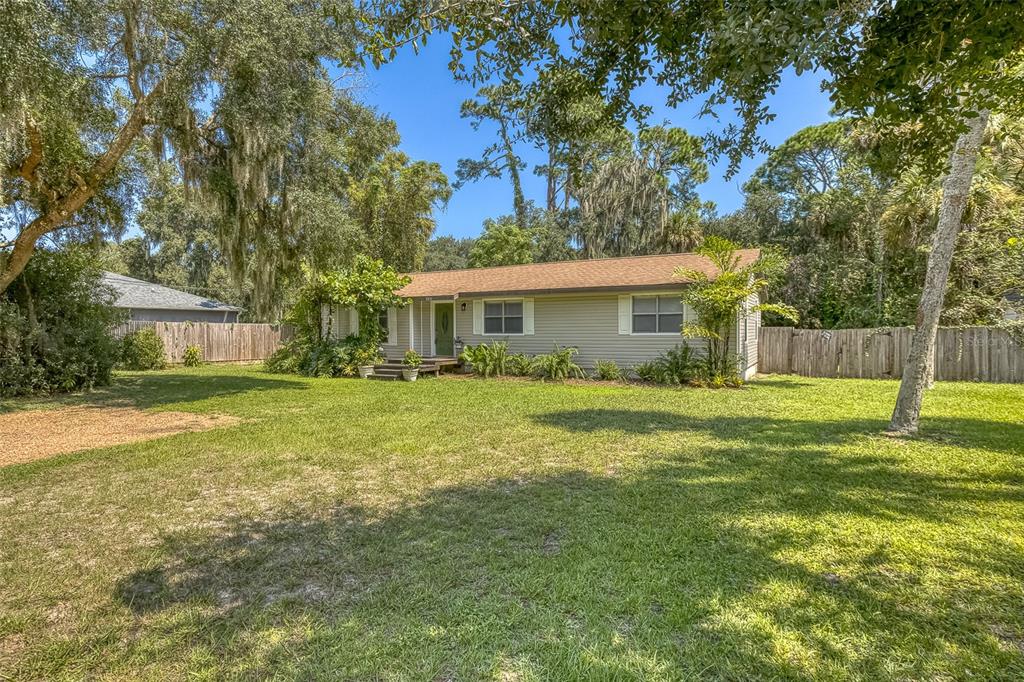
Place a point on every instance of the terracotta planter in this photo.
(410, 374)
(364, 371)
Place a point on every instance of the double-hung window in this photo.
(503, 317)
(657, 314)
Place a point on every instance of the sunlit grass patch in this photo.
(461, 529)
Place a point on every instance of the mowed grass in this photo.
(459, 529)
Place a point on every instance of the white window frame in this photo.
(520, 301)
(682, 314)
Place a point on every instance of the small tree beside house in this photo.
(718, 301)
(369, 288)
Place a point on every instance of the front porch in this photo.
(391, 369)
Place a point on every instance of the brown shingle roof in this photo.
(636, 272)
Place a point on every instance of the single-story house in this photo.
(150, 302)
(622, 309)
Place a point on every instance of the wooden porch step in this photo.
(395, 369)
(395, 372)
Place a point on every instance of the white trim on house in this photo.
(433, 334)
(412, 328)
(392, 326)
(478, 317)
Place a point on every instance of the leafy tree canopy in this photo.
(858, 230)
(928, 65)
(503, 242)
(448, 253)
(83, 85)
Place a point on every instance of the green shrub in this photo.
(519, 365)
(607, 370)
(679, 366)
(332, 358)
(558, 365)
(142, 350)
(647, 371)
(288, 359)
(413, 359)
(721, 381)
(363, 351)
(323, 358)
(487, 360)
(55, 326)
(193, 356)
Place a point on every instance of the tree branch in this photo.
(28, 166)
(86, 187)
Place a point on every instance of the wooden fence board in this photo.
(961, 354)
(221, 342)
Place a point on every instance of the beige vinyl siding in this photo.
(588, 321)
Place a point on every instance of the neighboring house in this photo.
(622, 309)
(150, 302)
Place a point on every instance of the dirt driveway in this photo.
(36, 434)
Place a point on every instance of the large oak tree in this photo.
(219, 86)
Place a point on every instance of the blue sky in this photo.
(419, 93)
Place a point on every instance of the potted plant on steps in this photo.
(412, 363)
(366, 358)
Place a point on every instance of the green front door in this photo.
(444, 329)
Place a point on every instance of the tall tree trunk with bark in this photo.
(552, 200)
(955, 190)
(65, 206)
(512, 161)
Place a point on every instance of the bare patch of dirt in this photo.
(37, 434)
(552, 544)
(1008, 638)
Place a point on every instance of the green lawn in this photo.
(458, 529)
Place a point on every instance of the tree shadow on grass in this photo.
(990, 435)
(174, 386)
(778, 381)
(689, 570)
(155, 389)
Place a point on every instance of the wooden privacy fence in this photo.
(961, 354)
(221, 342)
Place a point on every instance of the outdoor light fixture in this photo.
(463, 307)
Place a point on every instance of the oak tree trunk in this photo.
(65, 206)
(955, 190)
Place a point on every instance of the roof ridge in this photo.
(620, 272)
(573, 260)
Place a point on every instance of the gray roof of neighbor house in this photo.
(137, 294)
